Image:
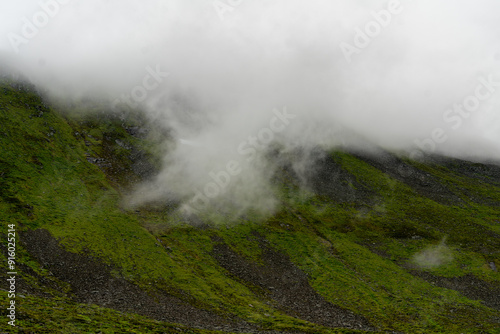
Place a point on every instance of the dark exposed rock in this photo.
(422, 182)
(91, 282)
(287, 286)
(468, 285)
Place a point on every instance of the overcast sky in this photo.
(397, 74)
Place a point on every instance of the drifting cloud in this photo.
(390, 72)
(433, 256)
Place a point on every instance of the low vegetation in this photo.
(382, 257)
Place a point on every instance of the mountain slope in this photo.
(368, 242)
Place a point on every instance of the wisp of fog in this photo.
(233, 80)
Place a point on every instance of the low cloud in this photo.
(433, 256)
(231, 64)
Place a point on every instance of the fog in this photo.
(433, 256)
(233, 79)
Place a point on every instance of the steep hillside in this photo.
(367, 243)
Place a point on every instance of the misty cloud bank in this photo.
(404, 75)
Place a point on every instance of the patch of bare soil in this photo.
(488, 172)
(331, 180)
(91, 282)
(468, 285)
(422, 182)
(24, 287)
(321, 175)
(287, 286)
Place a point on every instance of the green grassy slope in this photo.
(358, 257)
